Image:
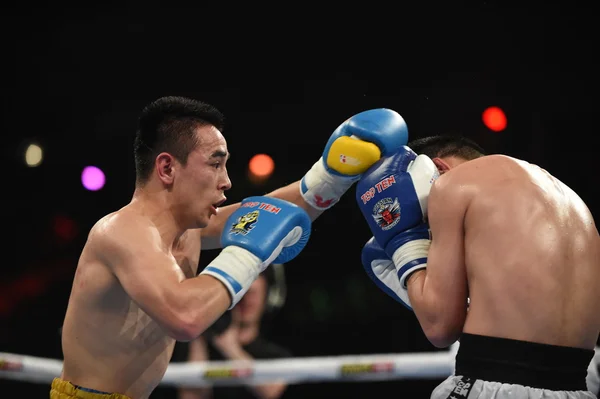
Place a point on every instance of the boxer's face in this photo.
(199, 186)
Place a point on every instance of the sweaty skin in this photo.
(517, 242)
(134, 292)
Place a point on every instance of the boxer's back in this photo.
(532, 255)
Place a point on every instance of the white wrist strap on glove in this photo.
(322, 189)
(236, 268)
(411, 257)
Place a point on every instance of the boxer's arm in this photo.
(211, 234)
(184, 308)
(362, 138)
(439, 293)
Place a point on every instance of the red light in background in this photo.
(5, 306)
(64, 227)
(494, 118)
(29, 285)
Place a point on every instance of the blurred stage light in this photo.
(261, 165)
(260, 168)
(33, 155)
(494, 118)
(92, 178)
(64, 228)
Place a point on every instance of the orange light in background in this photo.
(260, 168)
(494, 118)
(261, 165)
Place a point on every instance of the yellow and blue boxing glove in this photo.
(262, 231)
(353, 147)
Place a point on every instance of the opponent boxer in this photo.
(135, 290)
(495, 252)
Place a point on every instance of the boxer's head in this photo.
(179, 150)
(447, 151)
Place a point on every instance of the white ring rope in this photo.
(435, 365)
(291, 370)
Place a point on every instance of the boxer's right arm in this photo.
(439, 293)
(263, 230)
(153, 279)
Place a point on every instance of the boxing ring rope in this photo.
(427, 365)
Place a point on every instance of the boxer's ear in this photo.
(165, 167)
(441, 165)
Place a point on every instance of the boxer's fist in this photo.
(353, 147)
(261, 231)
(361, 140)
(392, 196)
(393, 193)
(380, 268)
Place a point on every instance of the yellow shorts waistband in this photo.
(62, 389)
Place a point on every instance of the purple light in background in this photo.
(92, 178)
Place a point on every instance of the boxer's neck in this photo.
(157, 206)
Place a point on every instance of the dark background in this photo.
(75, 80)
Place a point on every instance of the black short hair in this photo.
(168, 125)
(447, 145)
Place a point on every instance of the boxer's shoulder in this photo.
(125, 228)
(485, 171)
(460, 185)
(478, 167)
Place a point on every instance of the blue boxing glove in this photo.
(392, 196)
(263, 230)
(353, 147)
(381, 269)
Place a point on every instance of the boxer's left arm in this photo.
(438, 294)
(352, 148)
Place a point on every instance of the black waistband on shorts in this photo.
(91, 390)
(509, 361)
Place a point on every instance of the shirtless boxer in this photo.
(136, 291)
(492, 251)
